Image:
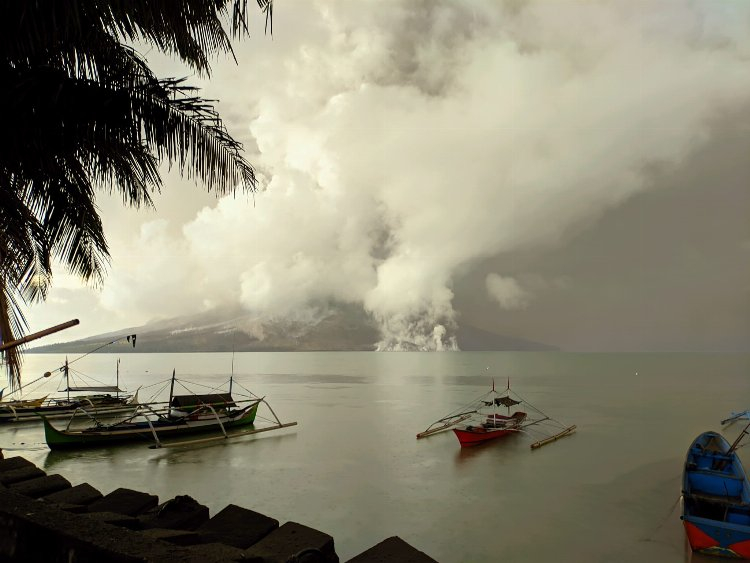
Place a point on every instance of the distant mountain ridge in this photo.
(339, 328)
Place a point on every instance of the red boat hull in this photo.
(473, 435)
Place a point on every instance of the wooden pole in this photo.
(171, 390)
(736, 443)
(40, 334)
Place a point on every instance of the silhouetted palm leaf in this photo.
(85, 112)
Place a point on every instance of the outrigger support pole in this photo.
(263, 400)
(218, 420)
(446, 424)
(153, 431)
(226, 436)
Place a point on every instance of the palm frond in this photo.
(76, 33)
(86, 112)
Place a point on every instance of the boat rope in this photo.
(127, 337)
(77, 378)
(660, 525)
(212, 388)
(218, 388)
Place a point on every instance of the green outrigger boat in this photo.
(213, 414)
(207, 413)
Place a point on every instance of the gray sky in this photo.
(565, 171)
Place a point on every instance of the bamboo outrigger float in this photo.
(481, 420)
(554, 437)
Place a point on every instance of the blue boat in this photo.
(716, 497)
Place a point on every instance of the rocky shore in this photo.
(45, 518)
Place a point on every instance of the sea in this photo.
(354, 469)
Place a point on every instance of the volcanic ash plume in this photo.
(407, 141)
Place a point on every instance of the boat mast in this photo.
(171, 389)
(231, 375)
(117, 381)
(508, 393)
(67, 377)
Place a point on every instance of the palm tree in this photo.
(83, 112)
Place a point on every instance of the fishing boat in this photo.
(181, 416)
(105, 400)
(5, 347)
(488, 417)
(716, 497)
(494, 426)
(102, 405)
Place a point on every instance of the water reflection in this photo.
(499, 448)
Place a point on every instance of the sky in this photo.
(574, 173)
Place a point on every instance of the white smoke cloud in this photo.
(407, 140)
(507, 292)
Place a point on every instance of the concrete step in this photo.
(20, 474)
(392, 550)
(125, 501)
(289, 540)
(237, 526)
(83, 494)
(40, 486)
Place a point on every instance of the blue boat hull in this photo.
(716, 499)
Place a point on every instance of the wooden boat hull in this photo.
(494, 427)
(716, 499)
(469, 438)
(141, 432)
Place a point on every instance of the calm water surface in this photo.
(354, 469)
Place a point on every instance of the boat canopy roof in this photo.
(506, 401)
(187, 402)
(100, 388)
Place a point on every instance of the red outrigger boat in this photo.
(494, 426)
(481, 420)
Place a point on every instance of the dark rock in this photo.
(180, 513)
(82, 494)
(112, 528)
(21, 474)
(36, 531)
(125, 501)
(289, 540)
(209, 553)
(392, 550)
(72, 508)
(41, 486)
(177, 537)
(115, 519)
(238, 527)
(14, 463)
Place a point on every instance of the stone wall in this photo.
(43, 518)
